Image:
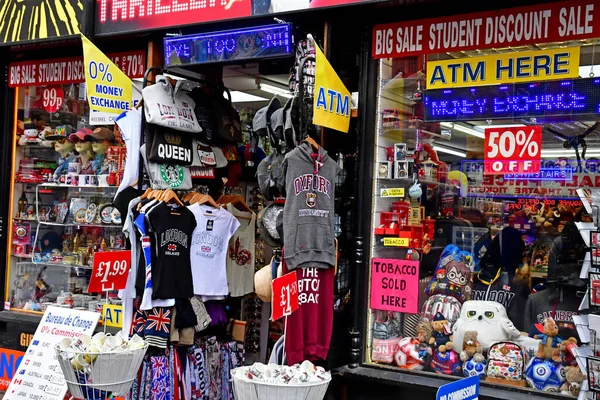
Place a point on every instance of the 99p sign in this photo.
(512, 150)
(110, 271)
(52, 98)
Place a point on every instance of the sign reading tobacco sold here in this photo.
(395, 285)
(568, 20)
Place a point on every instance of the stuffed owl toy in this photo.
(488, 319)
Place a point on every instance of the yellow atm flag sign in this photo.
(108, 88)
(527, 66)
(332, 102)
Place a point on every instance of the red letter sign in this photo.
(110, 271)
(285, 296)
(512, 150)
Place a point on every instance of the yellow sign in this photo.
(108, 88)
(332, 103)
(392, 192)
(395, 242)
(527, 66)
(112, 315)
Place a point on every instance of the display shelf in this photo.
(24, 220)
(79, 188)
(53, 264)
(404, 134)
(22, 256)
(69, 224)
(408, 182)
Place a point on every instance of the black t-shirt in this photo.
(172, 229)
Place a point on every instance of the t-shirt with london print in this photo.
(210, 240)
(171, 271)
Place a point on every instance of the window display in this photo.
(65, 176)
(489, 210)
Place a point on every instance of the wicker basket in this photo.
(106, 373)
(255, 390)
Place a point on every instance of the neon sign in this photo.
(564, 98)
(233, 45)
(545, 174)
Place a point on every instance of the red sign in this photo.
(285, 296)
(110, 271)
(118, 16)
(554, 22)
(62, 71)
(52, 98)
(512, 150)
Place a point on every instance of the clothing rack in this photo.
(181, 73)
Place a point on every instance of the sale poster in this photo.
(285, 296)
(512, 150)
(39, 375)
(395, 285)
(110, 271)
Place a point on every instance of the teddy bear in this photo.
(564, 350)
(572, 385)
(471, 348)
(549, 347)
(439, 337)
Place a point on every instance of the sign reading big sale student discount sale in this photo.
(512, 150)
(39, 375)
(108, 88)
(395, 285)
(332, 100)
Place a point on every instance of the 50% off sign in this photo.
(512, 150)
(110, 271)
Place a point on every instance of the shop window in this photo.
(65, 174)
(475, 261)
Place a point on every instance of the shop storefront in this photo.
(65, 198)
(484, 129)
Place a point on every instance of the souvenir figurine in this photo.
(102, 140)
(549, 341)
(30, 135)
(64, 147)
(440, 338)
(83, 145)
(574, 380)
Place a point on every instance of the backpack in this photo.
(453, 275)
(506, 361)
(447, 305)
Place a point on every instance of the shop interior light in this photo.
(242, 97)
(275, 90)
(557, 153)
(449, 151)
(464, 129)
(482, 127)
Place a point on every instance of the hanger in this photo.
(186, 197)
(146, 193)
(169, 195)
(312, 142)
(239, 203)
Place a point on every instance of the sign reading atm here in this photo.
(495, 69)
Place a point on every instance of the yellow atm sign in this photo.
(528, 66)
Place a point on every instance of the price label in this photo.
(285, 296)
(52, 98)
(110, 271)
(392, 192)
(512, 150)
(395, 242)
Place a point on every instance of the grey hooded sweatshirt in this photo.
(308, 214)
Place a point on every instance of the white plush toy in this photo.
(488, 319)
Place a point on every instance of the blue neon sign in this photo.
(233, 45)
(546, 174)
(565, 98)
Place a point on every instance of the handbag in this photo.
(169, 106)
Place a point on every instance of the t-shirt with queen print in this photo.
(210, 240)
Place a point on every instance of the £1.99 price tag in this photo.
(110, 271)
(512, 150)
(285, 296)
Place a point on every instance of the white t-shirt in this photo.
(130, 125)
(240, 260)
(210, 240)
